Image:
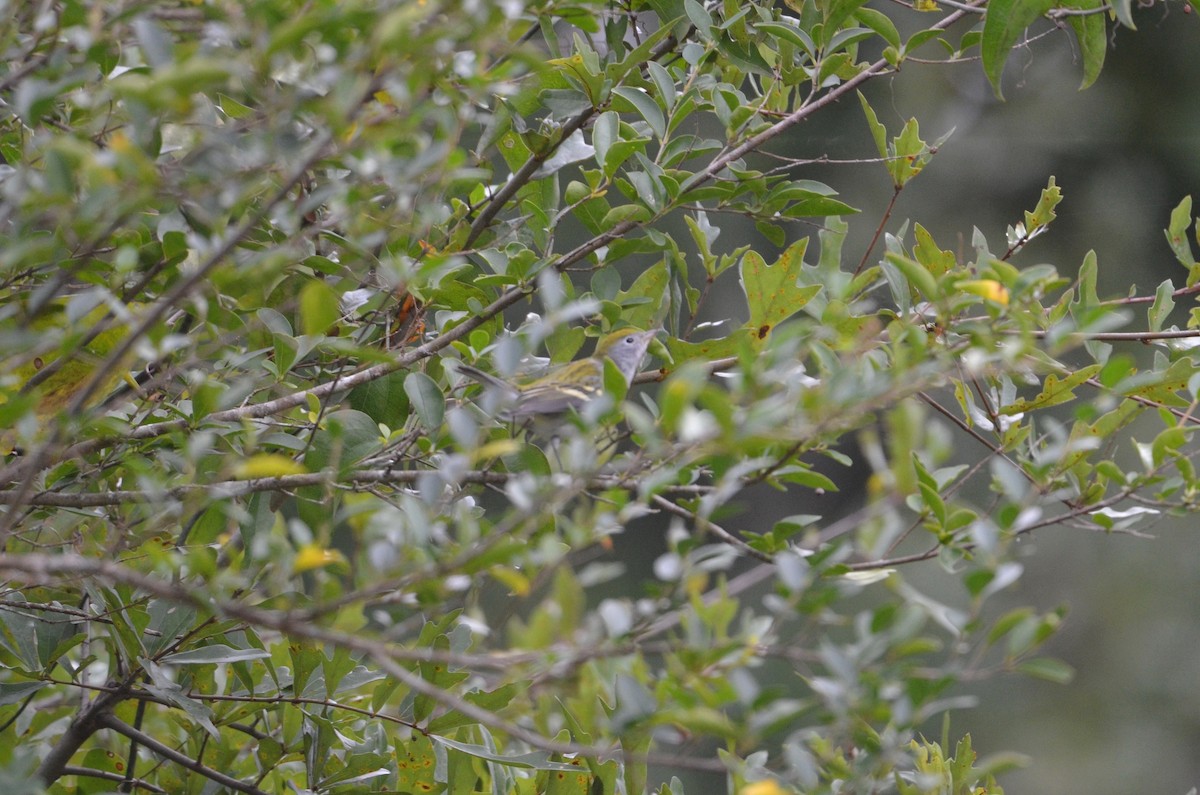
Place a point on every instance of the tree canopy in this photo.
(261, 535)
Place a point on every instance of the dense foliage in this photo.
(259, 535)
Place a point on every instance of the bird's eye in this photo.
(628, 340)
(37, 363)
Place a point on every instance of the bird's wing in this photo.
(553, 398)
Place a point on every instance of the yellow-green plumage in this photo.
(72, 364)
(573, 384)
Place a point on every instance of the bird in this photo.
(88, 342)
(61, 356)
(572, 385)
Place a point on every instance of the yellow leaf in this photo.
(312, 557)
(517, 582)
(496, 449)
(990, 289)
(768, 787)
(268, 465)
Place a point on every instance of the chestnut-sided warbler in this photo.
(571, 385)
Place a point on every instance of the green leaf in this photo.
(578, 782)
(772, 291)
(836, 12)
(318, 307)
(937, 261)
(306, 659)
(809, 478)
(154, 42)
(814, 206)
(217, 653)
(169, 691)
(605, 132)
(1162, 306)
(623, 213)
(18, 635)
(16, 692)
(918, 276)
(590, 208)
(637, 57)
(1008, 622)
(1004, 23)
(880, 23)
(1177, 230)
(383, 399)
(775, 234)
(664, 84)
(1043, 214)
(878, 131)
(534, 760)
(708, 350)
(1047, 668)
(232, 108)
(646, 106)
(344, 438)
(644, 298)
(1167, 444)
(1055, 391)
(105, 761)
(492, 701)
(919, 38)
(1163, 386)
(426, 398)
(167, 622)
(416, 764)
(1123, 9)
(1092, 34)
(789, 33)
(908, 154)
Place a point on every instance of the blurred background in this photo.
(1124, 152)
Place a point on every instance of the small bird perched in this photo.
(56, 376)
(571, 385)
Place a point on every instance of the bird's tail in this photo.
(485, 378)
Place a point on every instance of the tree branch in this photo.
(111, 722)
(85, 724)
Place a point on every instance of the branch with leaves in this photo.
(296, 524)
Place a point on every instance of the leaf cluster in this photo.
(258, 535)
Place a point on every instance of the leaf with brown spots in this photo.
(772, 291)
(416, 765)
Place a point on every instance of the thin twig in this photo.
(887, 213)
(710, 527)
(91, 772)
